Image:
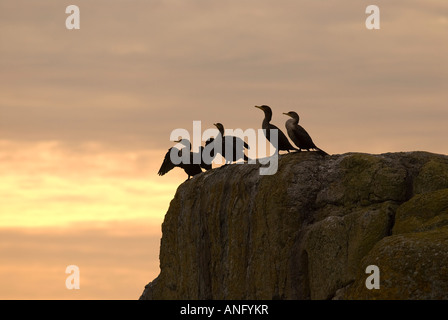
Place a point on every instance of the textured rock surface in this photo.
(310, 230)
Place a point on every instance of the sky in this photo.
(86, 115)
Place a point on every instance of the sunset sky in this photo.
(86, 115)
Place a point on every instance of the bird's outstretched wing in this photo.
(167, 164)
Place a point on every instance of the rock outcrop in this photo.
(310, 230)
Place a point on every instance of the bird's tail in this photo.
(321, 152)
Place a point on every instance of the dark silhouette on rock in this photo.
(190, 168)
(232, 148)
(298, 134)
(283, 142)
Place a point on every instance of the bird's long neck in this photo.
(267, 117)
(294, 121)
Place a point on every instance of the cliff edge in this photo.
(310, 230)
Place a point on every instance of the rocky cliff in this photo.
(310, 230)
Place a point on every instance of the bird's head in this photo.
(267, 111)
(220, 127)
(292, 114)
(264, 107)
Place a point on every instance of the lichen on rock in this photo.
(310, 230)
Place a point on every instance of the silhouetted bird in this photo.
(283, 142)
(298, 134)
(211, 155)
(232, 147)
(197, 156)
(191, 168)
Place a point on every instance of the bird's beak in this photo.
(286, 114)
(215, 124)
(259, 107)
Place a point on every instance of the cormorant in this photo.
(194, 156)
(191, 169)
(230, 144)
(283, 142)
(210, 141)
(298, 134)
(204, 165)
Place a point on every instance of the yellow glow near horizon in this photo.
(98, 208)
(45, 185)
